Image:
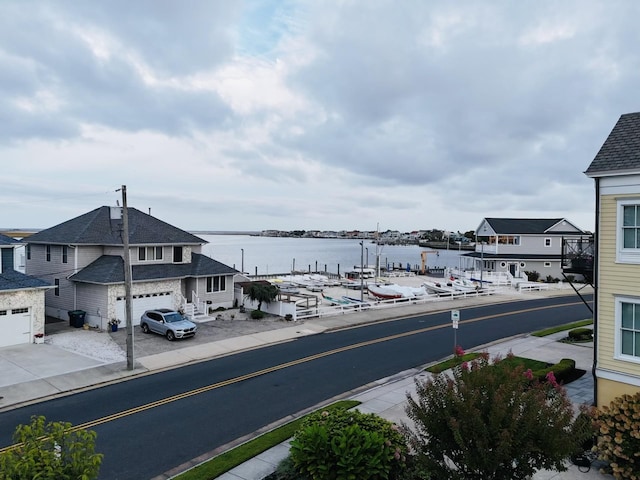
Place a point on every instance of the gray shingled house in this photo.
(21, 299)
(516, 245)
(84, 259)
(616, 174)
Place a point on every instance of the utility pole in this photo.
(127, 280)
(362, 271)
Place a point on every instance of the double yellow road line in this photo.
(282, 366)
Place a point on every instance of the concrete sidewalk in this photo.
(387, 398)
(32, 373)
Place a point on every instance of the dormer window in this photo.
(149, 254)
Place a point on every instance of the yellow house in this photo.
(616, 172)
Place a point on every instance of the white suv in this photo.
(167, 322)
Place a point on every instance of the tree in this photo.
(491, 422)
(262, 293)
(50, 451)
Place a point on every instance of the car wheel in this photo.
(145, 328)
(170, 336)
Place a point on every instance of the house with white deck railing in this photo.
(512, 246)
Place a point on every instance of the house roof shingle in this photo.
(527, 226)
(12, 280)
(97, 228)
(109, 269)
(621, 149)
(6, 240)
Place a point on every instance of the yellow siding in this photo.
(613, 279)
(608, 390)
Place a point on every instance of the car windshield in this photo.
(173, 317)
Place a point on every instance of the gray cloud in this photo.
(479, 108)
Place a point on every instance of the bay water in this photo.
(280, 255)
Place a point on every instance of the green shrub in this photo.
(561, 371)
(257, 314)
(50, 451)
(619, 440)
(581, 334)
(348, 445)
(532, 276)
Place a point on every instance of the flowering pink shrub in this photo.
(551, 378)
(528, 374)
(458, 351)
(489, 421)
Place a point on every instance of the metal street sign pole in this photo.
(455, 318)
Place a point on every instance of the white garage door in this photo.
(15, 325)
(142, 303)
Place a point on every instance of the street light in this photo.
(242, 265)
(367, 249)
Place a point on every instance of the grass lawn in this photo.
(562, 328)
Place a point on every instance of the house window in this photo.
(65, 254)
(149, 253)
(19, 310)
(48, 252)
(547, 242)
(628, 329)
(628, 241)
(216, 284)
(177, 254)
(547, 264)
(56, 292)
(28, 249)
(509, 240)
(522, 264)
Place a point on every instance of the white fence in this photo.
(331, 310)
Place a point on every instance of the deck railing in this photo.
(370, 304)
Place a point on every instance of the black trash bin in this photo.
(76, 318)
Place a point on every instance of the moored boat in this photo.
(383, 293)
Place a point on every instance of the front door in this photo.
(513, 269)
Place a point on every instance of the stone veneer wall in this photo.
(33, 299)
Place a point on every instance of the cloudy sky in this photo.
(337, 114)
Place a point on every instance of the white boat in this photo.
(455, 286)
(438, 288)
(392, 291)
(464, 285)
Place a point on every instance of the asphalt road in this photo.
(149, 425)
